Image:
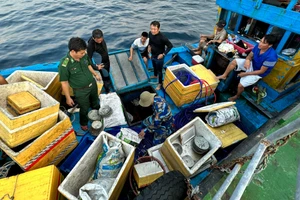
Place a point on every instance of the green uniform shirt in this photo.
(75, 72)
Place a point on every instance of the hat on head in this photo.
(146, 99)
(221, 23)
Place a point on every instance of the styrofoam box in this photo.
(154, 151)
(48, 80)
(185, 137)
(85, 168)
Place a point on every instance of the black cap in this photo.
(97, 33)
(221, 23)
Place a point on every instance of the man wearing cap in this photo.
(218, 37)
(161, 122)
(75, 70)
(97, 44)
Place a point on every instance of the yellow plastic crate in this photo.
(48, 149)
(23, 102)
(47, 81)
(181, 94)
(40, 184)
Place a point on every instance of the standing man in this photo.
(160, 124)
(157, 44)
(142, 44)
(257, 64)
(218, 37)
(75, 70)
(97, 44)
(2, 80)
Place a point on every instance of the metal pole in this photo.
(280, 133)
(298, 184)
(227, 182)
(284, 131)
(243, 183)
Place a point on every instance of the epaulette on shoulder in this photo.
(65, 62)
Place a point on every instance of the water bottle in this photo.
(236, 39)
(229, 38)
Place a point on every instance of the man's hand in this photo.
(247, 64)
(130, 58)
(242, 74)
(70, 101)
(209, 42)
(142, 134)
(100, 66)
(98, 78)
(160, 56)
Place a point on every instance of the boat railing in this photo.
(255, 161)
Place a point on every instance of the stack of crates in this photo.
(181, 94)
(38, 137)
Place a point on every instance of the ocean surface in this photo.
(35, 31)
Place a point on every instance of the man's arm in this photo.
(248, 60)
(65, 88)
(94, 73)
(169, 45)
(262, 70)
(90, 52)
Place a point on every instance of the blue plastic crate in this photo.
(68, 164)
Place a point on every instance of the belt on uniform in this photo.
(88, 86)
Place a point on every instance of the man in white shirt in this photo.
(142, 44)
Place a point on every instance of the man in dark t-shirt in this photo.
(97, 44)
(157, 44)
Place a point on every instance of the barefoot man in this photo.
(257, 64)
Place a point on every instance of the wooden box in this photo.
(85, 168)
(47, 81)
(23, 102)
(40, 184)
(48, 149)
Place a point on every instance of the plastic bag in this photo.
(117, 117)
(97, 189)
(225, 47)
(222, 116)
(129, 136)
(111, 160)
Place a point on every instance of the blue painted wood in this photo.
(280, 17)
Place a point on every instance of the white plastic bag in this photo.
(225, 47)
(129, 136)
(111, 159)
(97, 189)
(117, 117)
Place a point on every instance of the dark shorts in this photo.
(144, 54)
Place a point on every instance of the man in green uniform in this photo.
(75, 70)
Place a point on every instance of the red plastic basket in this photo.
(240, 49)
